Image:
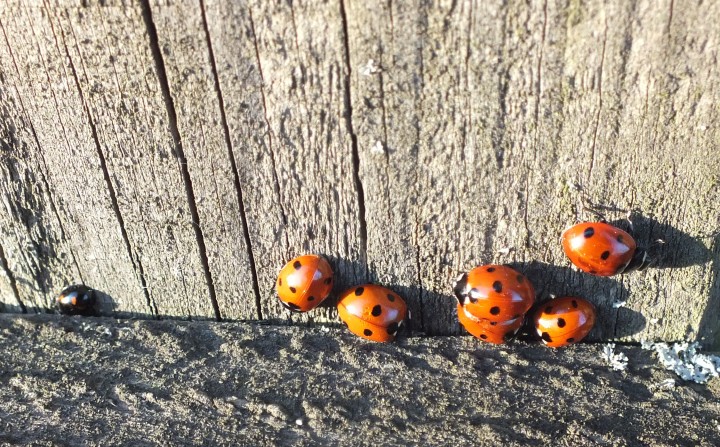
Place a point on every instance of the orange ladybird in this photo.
(373, 312)
(495, 292)
(566, 320)
(304, 282)
(601, 249)
(486, 330)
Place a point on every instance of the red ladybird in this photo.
(304, 282)
(373, 312)
(486, 330)
(601, 249)
(495, 292)
(566, 320)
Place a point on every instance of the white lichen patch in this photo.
(617, 360)
(378, 148)
(686, 361)
(618, 304)
(370, 68)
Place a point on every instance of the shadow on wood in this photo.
(605, 293)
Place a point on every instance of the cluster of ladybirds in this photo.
(493, 300)
(369, 310)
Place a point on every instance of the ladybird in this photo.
(601, 249)
(495, 293)
(566, 320)
(486, 330)
(373, 312)
(77, 300)
(304, 282)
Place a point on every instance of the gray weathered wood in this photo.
(113, 63)
(283, 84)
(210, 161)
(476, 135)
(75, 226)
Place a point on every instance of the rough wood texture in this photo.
(210, 142)
(286, 105)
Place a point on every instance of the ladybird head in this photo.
(461, 288)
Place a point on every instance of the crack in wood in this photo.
(276, 178)
(538, 90)
(353, 137)
(503, 86)
(600, 104)
(179, 153)
(233, 163)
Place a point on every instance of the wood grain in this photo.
(188, 61)
(117, 74)
(76, 224)
(406, 141)
(284, 93)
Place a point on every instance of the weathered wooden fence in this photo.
(175, 154)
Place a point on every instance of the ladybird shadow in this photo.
(709, 327)
(611, 322)
(6, 308)
(679, 249)
(105, 305)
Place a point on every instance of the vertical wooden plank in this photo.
(649, 91)
(386, 97)
(283, 83)
(111, 60)
(211, 164)
(35, 260)
(63, 154)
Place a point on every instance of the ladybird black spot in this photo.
(571, 340)
(328, 280)
(297, 265)
(605, 254)
(393, 328)
(574, 304)
(376, 310)
(497, 286)
(391, 297)
(561, 322)
(546, 337)
(311, 298)
(589, 231)
(290, 306)
(491, 269)
(494, 310)
(483, 336)
(367, 332)
(359, 291)
(620, 239)
(293, 289)
(520, 279)
(548, 310)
